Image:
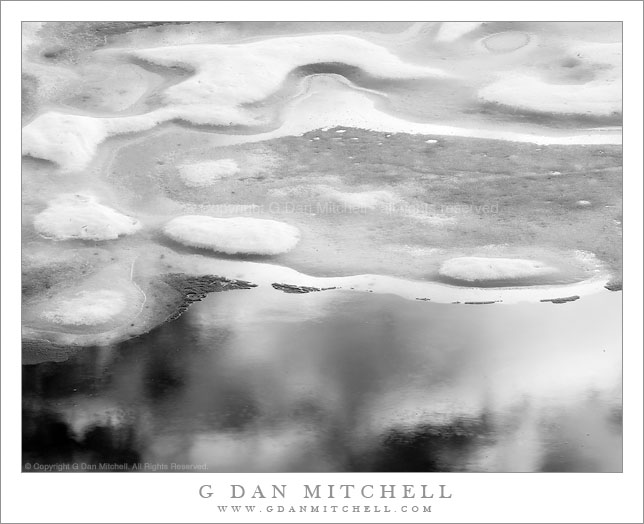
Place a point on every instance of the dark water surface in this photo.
(342, 381)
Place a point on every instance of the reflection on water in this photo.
(341, 381)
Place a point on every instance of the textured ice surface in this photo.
(88, 307)
(229, 85)
(450, 31)
(227, 76)
(599, 97)
(473, 269)
(207, 173)
(589, 82)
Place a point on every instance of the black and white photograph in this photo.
(321, 247)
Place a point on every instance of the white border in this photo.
(173, 498)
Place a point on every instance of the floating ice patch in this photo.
(472, 269)
(239, 235)
(77, 216)
(88, 308)
(207, 173)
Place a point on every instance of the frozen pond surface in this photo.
(447, 180)
(338, 381)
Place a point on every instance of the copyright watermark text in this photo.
(152, 467)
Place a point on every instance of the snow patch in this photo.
(239, 235)
(78, 216)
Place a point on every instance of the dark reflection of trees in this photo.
(167, 353)
(47, 439)
(429, 448)
(159, 382)
(162, 380)
(56, 380)
(110, 444)
(177, 374)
